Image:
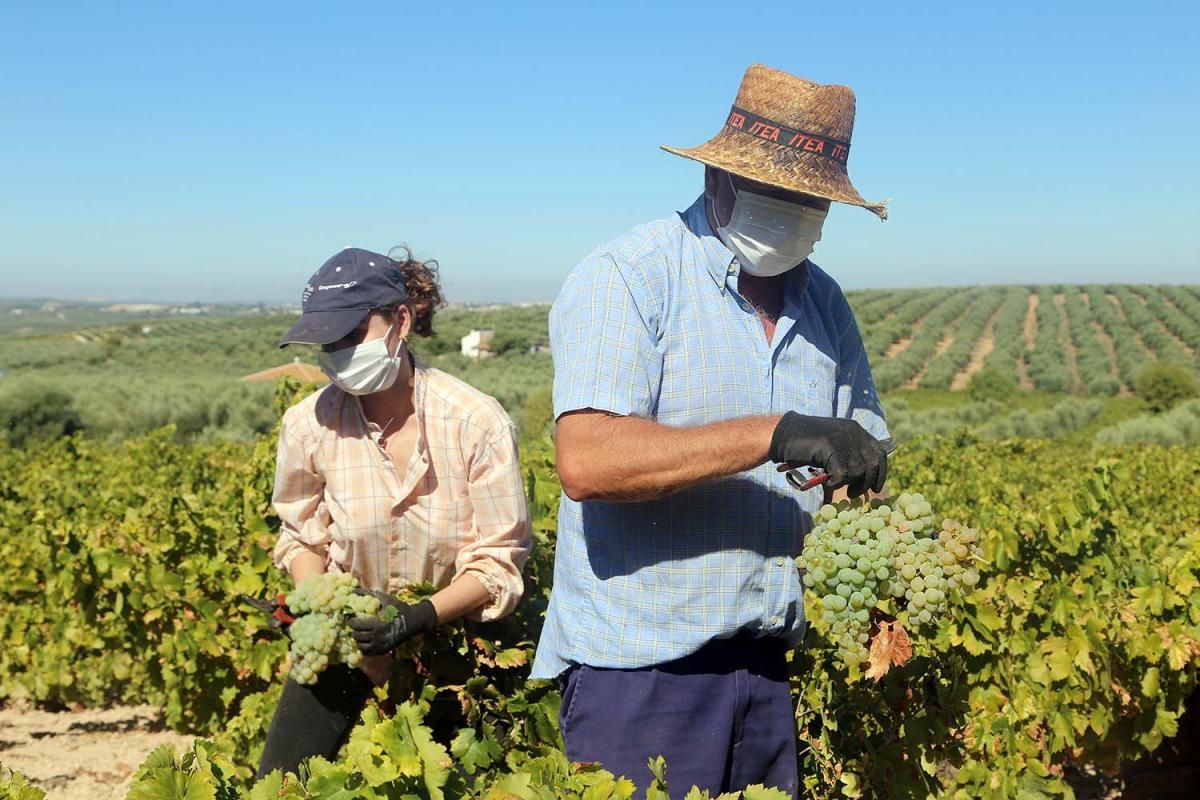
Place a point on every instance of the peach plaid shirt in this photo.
(457, 507)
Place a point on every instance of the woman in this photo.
(396, 473)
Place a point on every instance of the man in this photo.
(692, 356)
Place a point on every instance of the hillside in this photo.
(1077, 339)
(140, 371)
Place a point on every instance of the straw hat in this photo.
(790, 133)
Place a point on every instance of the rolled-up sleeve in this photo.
(604, 342)
(298, 499)
(502, 534)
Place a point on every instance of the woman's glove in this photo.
(375, 637)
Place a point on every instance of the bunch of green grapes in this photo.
(857, 557)
(321, 605)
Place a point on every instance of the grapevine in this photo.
(322, 605)
(861, 561)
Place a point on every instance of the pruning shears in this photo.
(804, 482)
(280, 615)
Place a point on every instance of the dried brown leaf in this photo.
(890, 645)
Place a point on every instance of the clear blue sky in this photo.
(221, 151)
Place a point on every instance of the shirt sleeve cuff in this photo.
(501, 599)
(288, 548)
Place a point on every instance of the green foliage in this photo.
(196, 774)
(1047, 359)
(1107, 332)
(991, 383)
(126, 379)
(1079, 645)
(398, 756)
(894, 372)
(991, 419)
(37, 414)
(944, 366)
(1178, 427)
(1070, 415)
(128, 374)
(508, 342)
(537, 415)
(510, 378)
(15, 786)
(1162, 386)
(121, 578)
(1090, 589)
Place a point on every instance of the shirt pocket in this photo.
(806, 380)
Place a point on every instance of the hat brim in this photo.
(323, 327)
(725, 152)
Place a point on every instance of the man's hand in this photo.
(375, 637)
(841, 447)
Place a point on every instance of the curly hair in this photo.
(424, 292)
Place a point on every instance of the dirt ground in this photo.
(81, 755)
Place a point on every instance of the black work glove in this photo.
(840, 447)
(375, 637)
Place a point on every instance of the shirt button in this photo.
(779, 562)
(774, 620)
(732, 269)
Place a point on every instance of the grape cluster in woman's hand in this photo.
(322, 604)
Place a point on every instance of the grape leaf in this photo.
(890, 645)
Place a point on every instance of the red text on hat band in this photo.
(763, 128)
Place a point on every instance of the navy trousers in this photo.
(722, 718)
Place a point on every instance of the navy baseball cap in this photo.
(342, 292)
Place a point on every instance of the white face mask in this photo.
(771, 236)
(363, 369)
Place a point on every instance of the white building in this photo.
(478, 344)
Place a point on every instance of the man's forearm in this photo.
(605, 457)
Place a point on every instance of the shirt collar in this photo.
(721, 262)
(420, 388)
(719, 259)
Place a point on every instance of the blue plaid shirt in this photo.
(651, 325)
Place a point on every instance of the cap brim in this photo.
(323, 327)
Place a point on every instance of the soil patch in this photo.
(1030, 327)
(1137, 337)
(942, 346)
(1064, 336)
(82, 755)
(900, 345)
(1166, 301)
(983, 348)
(1111, 351)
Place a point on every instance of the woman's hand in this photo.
(376, 637)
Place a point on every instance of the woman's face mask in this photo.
(365, 368)
(771, 236)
